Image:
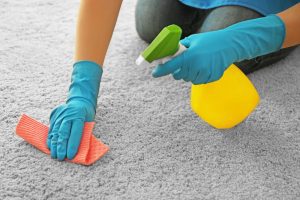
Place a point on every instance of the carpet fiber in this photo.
(159, 149)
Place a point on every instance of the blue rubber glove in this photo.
(209, 54)
(67, 120)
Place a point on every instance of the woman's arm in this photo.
(209, 54)
(96, 22)
(291, 18)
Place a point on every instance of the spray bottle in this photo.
(224, 103)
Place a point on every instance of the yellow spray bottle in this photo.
(222, 104)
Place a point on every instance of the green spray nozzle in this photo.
(165, 44)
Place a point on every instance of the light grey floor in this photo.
(159, 148)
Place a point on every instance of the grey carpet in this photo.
(159, 148)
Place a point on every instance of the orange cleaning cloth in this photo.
(90, 149)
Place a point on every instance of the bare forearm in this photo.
(96, 22)
(291, 18)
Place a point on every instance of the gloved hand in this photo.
(67, 120)
(209, 54)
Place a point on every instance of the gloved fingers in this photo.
(75, 138)
(202, 77)
(53, 120)
(198, 79)
(49, 137)
(62, 142)
(177, 74)
(186, 42)
(56, 113)
(216, 75)
(169, 67)
(50, 133)
(180, 73)
(53, 143)
(192, 75)
(185, 76)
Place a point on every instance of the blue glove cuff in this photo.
(257, 37)
(281, 30)
(85, 82)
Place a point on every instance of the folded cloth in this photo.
(90, 149)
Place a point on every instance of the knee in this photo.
(146, 13)
(151, 16)
(225, 16)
